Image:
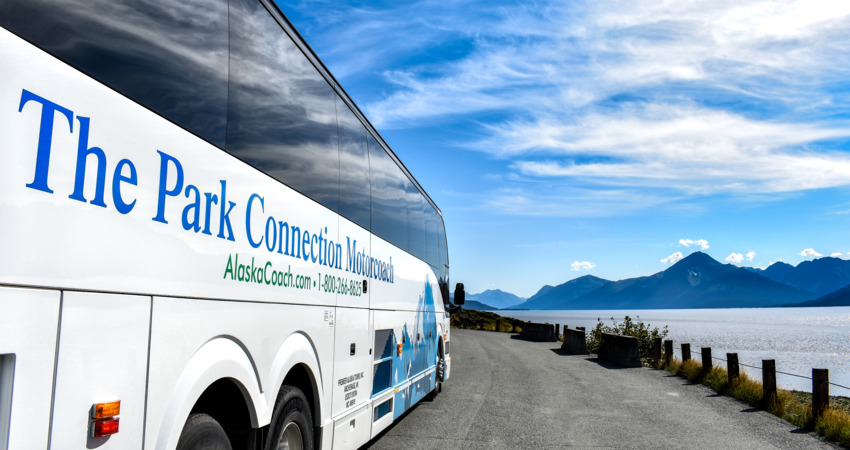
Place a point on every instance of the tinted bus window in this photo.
(389, 207)
(432, 255)
(281, 115)
(417, 213)
(169, 56)
(444, 256)
(355, 185)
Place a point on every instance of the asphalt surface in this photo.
(509, 393)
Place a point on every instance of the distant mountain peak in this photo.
(496, 298)
(780, 264)
(698, 258)
(700, 281)
(821, 276)
(558, 297)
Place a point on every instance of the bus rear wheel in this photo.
(291, 426)
(201, 432)
(440, 375)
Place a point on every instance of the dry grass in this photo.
(717, 379)
(746, 390)
(794, 407)
(790, 408)
(835, 426)
(674, 367)
(692, 370)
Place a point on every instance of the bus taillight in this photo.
(104, 427)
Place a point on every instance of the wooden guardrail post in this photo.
(686, 352)
(706, 361)
(820, 392)
(557, 331)
(768, 379)
(668, 352)
(656, 352)
(732, 366)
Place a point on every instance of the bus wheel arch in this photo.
(298, 366)
(225, 403)
(219, 380)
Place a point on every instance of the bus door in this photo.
(352, 382)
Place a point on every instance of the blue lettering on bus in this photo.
(165, 161)
(119, 178)
(224, 218)
(248, 219)
(45, 136)
(193, 208)
(281, 237)
(83, 152)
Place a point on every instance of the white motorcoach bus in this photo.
(203, 241)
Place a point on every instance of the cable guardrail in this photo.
(777, 371)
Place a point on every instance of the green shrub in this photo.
(644, 333)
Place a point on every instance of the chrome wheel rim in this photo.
(291, 438)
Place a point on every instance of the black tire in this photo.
(291, 423)
(201, 432)
(440, 376)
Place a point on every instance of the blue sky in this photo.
(608, 138)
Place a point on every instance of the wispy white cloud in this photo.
(686, 98)
(570, 202)
(701, 243)
(810, 253)
(735, 258)
(582, 265)
(696, 150)
(738, 258)
(836, 254)
(625, 93)
(674, 258)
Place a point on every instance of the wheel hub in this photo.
(291, 438)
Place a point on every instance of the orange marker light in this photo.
(399, 349)
(104, 410)
(104, 427)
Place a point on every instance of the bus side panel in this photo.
(29, 321)
(253, 344)
(103, 356)
(414, 353)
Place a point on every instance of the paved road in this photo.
(509, 393)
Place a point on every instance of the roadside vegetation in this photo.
(644, 332)
(470, 319)
(793, 406)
